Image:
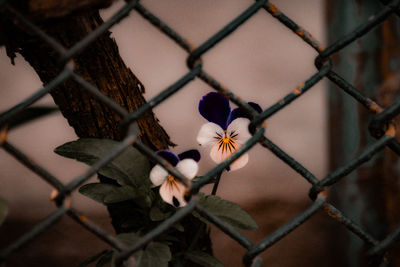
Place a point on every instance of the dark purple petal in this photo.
(190, 154)
(169, 156)
(240, 113)
(175, 201)
(215, 108)
(255, 106)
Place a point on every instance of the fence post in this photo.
(367, 195)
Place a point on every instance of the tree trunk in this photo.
(369, 194)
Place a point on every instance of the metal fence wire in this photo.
(381, 128)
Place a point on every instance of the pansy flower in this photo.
(226, 130)
(172, 190)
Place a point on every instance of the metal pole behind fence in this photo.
(368, 194)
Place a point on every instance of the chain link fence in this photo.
(381, 128)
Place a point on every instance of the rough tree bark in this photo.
(45, 9)
(101, 65)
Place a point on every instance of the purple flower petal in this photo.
(240, 113)
(169, 156)
(190, 154)
(255, 106)
(215, 108)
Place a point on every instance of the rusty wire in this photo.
(380, 124)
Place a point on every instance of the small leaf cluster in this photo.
(127, 183)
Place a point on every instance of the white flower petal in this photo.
(188, 167)
(208, 132)
(240, 126)
(173, 193)
(240, 162)
(158, 175)
(218, 155)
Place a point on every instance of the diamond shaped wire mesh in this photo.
(382, 120)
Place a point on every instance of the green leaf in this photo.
(93, 258)
(109, 194)
(133, 222)
(202, 258)
(120, 194)
(128, 238)
(97, 191)
(227, 211)
(3, 210)
(28, 115)
(105, 259)
(154, 254)
(169, 238)
(157, 215)
(129, 168)
(178, 226)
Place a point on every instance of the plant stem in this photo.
(218, 178)
(201, 228)
(196, 237)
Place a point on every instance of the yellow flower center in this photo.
(226, 140)
(227, 143)
(172, 182)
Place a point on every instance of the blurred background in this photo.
(261, 62)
